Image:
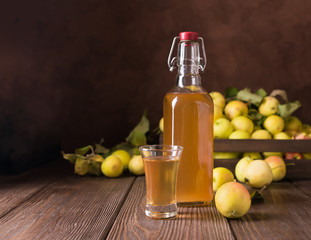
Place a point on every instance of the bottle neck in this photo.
(188, 75)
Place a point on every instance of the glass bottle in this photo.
(188, 112)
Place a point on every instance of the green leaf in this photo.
(138, 138)
(101, 149)
(288, 109)
(246, 95)
(261, 92)
(70, 157)
(141, 128)
(231, 92)
(84, 150)
(122, 146)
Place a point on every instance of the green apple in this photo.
(221, 176)
(243, 123)
(268, 106)
(226, 155)
(253, 155)
(293, 124)
(222, 128)
(218, 99)
(261, 134)
(281, 135)
(269, 154)
(239, 134)
(218, 112)
(274, 124)
(232, 200)
(241, 166)
(235, 108)
(277, 166)
(258, 174)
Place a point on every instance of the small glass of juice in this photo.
(161, 166)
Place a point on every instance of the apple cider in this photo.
(160, 174)
(186, 118)
(188, 113)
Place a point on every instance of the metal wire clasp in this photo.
(172, 62)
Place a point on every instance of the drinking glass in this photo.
(161, 166)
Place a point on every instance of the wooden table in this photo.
(52, 203)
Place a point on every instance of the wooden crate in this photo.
(295, 169)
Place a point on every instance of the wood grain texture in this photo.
(15, 189)
(304, 185)
(191, 223)
(258, 145)
(71, 208)
(284, 214)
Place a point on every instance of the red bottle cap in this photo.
(188, 36)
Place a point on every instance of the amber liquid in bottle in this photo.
(188, 118)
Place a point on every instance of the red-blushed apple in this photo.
(232, 200)
(277, 166)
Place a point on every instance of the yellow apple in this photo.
(235, 108)
(268, 154)
(268, 106)
(274, 124)
(232, 200)
(258, 174)
(222, 128)
(112, 166)
(218, 99)
(161, 124)
(241, 166)
(124, 156)
(239, 134)
(218, 112)
(278, 167)
(253, 155)
(261, 134)
(226, 155)
(221, 176)
(136, 165)
(293, 124)
(243, 123)
(281, 135)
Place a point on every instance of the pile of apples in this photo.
(232, 199)
(246, 115)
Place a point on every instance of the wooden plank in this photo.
(300, 169)
(71, 208)
(191, 223)
(256, 145)
(284, 214)
(304, 185)
(15, 189)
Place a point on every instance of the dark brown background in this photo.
(75, 71)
